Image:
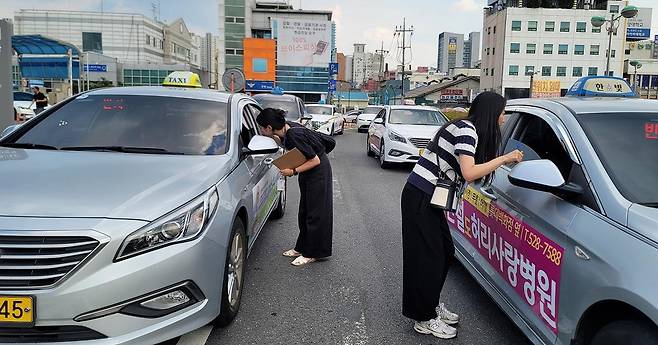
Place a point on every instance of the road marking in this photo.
(198, 337)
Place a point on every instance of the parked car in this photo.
(325, 119)
(566, 241)
(292, 105)
(400, 133)
(364, 119)
(130, 214)
(22, 109)
(352, 115)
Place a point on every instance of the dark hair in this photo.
(36, 87)
(272, 117)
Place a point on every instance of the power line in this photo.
(403, 30)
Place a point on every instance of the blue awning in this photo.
(49, 65)
(48, 68)
(40, 45)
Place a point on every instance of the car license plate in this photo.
(420, 152)
(16, 310)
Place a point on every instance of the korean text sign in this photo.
(304, 43)
(524, 257)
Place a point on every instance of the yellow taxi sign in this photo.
(182, 79)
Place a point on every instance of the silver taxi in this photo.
(566, 242)
(127, 214)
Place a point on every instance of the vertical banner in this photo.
(303, 43)
(6, 88)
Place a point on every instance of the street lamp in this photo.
(611, 28)
(636, 64)
(531, 73)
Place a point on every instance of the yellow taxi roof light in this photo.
(182, 79)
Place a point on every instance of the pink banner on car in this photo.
(526, 259)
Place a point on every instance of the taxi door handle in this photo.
(488, 192)
(268, 161)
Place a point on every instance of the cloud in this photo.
(465, 6)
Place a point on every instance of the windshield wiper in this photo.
(124, 149)
(29, 146)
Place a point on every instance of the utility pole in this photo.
(381, 53)
(403, 30)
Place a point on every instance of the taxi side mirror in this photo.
(378, 121)
(261, 145)
(544, 176)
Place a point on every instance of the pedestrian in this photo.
(462, 150)
(315, 185)
(40, 99)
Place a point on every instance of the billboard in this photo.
(546, 89)
(639, 28)
(259, 59)
(452, 45)
(303, 43)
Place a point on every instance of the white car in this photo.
(400, 133)
(326, 119)
(22, 109)
(363, 120)
(352, 115)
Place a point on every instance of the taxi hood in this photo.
(414, 131)
(322, 118)
(644, 220)
(40, 183)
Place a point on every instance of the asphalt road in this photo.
(355, 297)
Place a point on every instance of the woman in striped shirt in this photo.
(462, 150)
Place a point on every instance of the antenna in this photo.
(155, 8)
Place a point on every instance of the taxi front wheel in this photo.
(627, 333)
(233, 280)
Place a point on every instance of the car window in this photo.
(422, 117)
(372, 110)
(23, 96)
(248, 129)
(627, 145)
(290, 106)
(180, 125)
(381, 114)
(319, 110)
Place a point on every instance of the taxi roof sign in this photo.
(182, 79)
(601, 86)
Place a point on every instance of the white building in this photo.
(556, 44)
(472, 50)
(451, 51)
(181, 46)
(210, 56)
(359, 64)
(349, 71)
(646, 75)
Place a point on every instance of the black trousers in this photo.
(427, 252)
(316, 211)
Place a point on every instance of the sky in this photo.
(357, 21)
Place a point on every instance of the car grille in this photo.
(40, 261)
(316, 124)
(420, 143)
(47, 334)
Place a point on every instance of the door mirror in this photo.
(542, 175)
(378, 121)
(261, 145)
(8, 130)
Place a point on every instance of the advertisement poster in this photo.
(525, 258)
(452, 45)
(546, 89)
(303, 43)
(639, 27)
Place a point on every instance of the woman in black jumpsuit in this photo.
(315, 185)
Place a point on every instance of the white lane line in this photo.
(198, 337)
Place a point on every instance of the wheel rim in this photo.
(235, 270)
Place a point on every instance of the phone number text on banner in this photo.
(524, 257)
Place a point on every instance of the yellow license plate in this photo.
(16, 310)
(420, 152)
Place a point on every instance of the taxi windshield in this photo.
(372, 110)
(415, 117)
(155, 124)
(319, 110)
(290, 107)
(627, 145)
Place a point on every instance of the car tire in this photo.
(627, 332)
(342, 128)
(369, 151)
(382, 156)
(280, 209)
(332, 132)
(234, 269)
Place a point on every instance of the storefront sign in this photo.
(639, 27)
(95, 68)
(526, 259)
(546, 89)
(453, 96)
(259, 85)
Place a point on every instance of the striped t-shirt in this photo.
(442, 153)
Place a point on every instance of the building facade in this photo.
(451, 51)
(645, 75)
(471, 50)
(209, 60)
(551, 43)
(359, 64)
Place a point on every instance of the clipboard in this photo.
(290, 160)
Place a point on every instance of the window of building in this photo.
(513, 70)
(593, 71)
(493, 51)
(488, 52)
(529, 70)
(627, 52)
(548, 49)
(613, 54)
(515, 48)
(550, 26)
(579, 49)
(494, 30)
(532, 25)
(516, 25)
(148, 39)
(492, 71)
(614, 8)
(594, 49)
(561, 71)
(486, 72)
(92, 42)
(581, 27)
(577, 72)
(239, 20)
(546, 71)
(565, 26)
(531, 48)
(563, 49)
(489, 30)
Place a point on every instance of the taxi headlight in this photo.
(183, 224)
(396, 137)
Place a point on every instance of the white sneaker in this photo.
(436, 328)
(446, 315)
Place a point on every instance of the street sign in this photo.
(95, 68)
(259, 85)
(332, 85)
(233, 80)
(333, 69)
(639, 27)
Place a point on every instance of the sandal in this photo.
(301, 261)
(292, 253)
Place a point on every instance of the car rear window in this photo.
(289, 106)
(177, 125)
(22, 96)
(627, 145)
(319, 110)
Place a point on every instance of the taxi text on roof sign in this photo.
(601, 86)
(182, 79)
